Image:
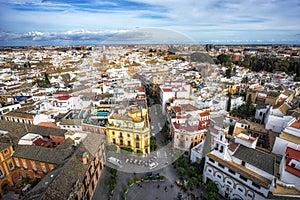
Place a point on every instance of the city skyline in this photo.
(33, 22)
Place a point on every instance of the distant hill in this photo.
(201, 58)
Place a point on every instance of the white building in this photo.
(287, 146)
(240, 172)
(175, 90)
(29, 139)
(9, 108)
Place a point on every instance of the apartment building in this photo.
(128, 127)
(240, 172)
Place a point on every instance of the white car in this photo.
(153, 165)
(115, 161)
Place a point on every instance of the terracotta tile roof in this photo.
(63, 98)
(293, 154)
(296, 124)
(48, 124)
(232, 147)
(39, 142)
(166, 89)
(188, 107)
(177, 109)
(204, 113)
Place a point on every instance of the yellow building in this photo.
(129, 128)
(231, 87)
(6, 166)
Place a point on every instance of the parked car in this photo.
(153, 165)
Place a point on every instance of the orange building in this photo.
(6, 166)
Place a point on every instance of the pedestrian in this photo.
(158, 186)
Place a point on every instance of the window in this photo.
(217, 146)
(222, 149)
(250, 195)
(11, 166)
(1, 174)
(33, 166)
(128, 135)
(44, 168)
(211, 160)
(24, 164)
(240, 189)
(243, 178)
(113, 133)
(20, 175)
(220, 165)
(209, 170)
(256, 185)
(232, 172)
(137, 145)
(219, 176)
(243, 163)
(17, 163)
(229, 182)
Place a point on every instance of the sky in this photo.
(42, 22)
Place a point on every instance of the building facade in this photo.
(129, 128)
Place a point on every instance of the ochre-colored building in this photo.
(6, 166)
(129, 128)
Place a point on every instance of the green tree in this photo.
(199, 177)
(46, 78)
(230, 130)
(153, 144)
(249, 105)
(245, 79)
(113, 172)
(111, 183)
(228, 72)
(183, 162)
(229, 102)
(211, 187)
(192, 171)
(192, 181)
(224, 59)
(181, 171)
(213, 196)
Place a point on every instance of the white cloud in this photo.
(205, 19)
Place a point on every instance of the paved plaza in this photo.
(145, 190)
